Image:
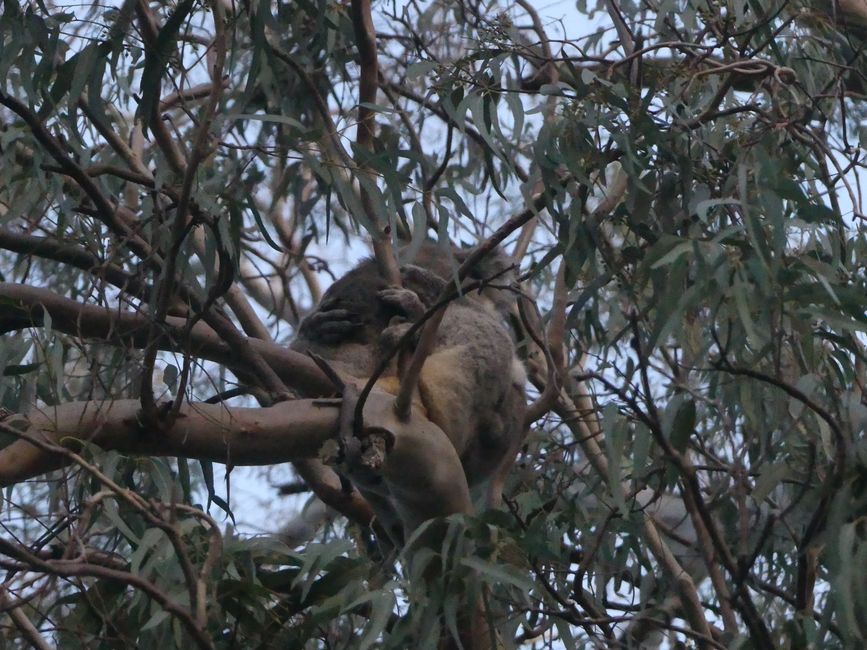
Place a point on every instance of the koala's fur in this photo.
(472, 383)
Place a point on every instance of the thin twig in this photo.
(24, 624)
(180, 227)
(551, 392)
(105, 211)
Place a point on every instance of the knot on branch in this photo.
(365, 448)
(157, 420)
(375, 446)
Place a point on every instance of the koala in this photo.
(472, 383)
(354, 312)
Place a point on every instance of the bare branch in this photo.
(291, 430)
(75, 256)
(682, 580)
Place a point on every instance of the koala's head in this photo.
(497, 272)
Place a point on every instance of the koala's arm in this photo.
(329, 325)
(360, 305)
(472, 387)
(472, 384)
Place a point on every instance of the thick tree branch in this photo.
(294, 430)
(26, 307)
(291, 430)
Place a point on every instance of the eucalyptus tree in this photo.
(680, 185)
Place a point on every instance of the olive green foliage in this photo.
(698, 175)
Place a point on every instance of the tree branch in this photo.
(365, 38)
(24, 624)
(76, 256)
(68, 568)
(27, 306)
(287, 431)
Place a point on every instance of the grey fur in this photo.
(472, 384)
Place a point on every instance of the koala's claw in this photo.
(403, 300)
(391, 335)
(331, 326)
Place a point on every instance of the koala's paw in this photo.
(330, 325)
(404, 301)
(426, 284)
(391, 335)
